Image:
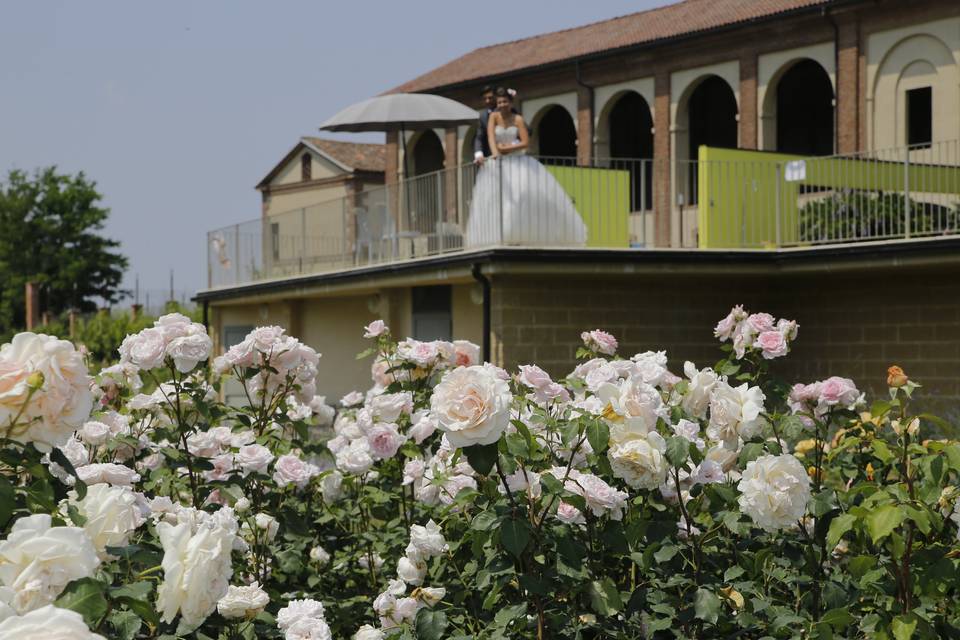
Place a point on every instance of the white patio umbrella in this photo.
(401, 112)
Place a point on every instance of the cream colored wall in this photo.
(467, 313)
(770, 68)
(907, 58)
(334, 327)
(320, 168)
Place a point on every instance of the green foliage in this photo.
(851, 215)
(51, 233)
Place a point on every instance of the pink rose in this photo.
(290, 469)
(599, 341)
(727, 327)
(424, 425)
(838, 391)
(533, 376)
(772, 343)
(465, 353)
(375, 329)
(384, 439)
(253, 458)
(760, 322)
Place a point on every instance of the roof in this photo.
(349, 156)
(646, 27)
(359, 156)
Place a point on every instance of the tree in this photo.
(50, 233)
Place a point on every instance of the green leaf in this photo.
(482, 457)
(598, 435)
(431, 625)
(514, 535)
(750, 452)
(141, 607)
(86, 597)
(678, 450)
(126, 624)
(839, 618)
(883, 520)
(8, 500)
(706, 605)
(903, 627)
(839, 526)
(882, 452)
(666, 552)
(604, 597)
(56, 455)
(484, 521)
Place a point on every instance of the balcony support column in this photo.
(584, 125)
(747, 109)
(662, 205)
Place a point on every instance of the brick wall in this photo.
(854, 325)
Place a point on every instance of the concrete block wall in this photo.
(854, 326)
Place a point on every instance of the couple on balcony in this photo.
(516, 200)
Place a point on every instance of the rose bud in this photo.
(896, 377)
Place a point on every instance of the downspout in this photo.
(836, 77)
(206, 315)
(485, 284)
(592, 106)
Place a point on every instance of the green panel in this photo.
(602, 198)
(739, 191)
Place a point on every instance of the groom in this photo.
(481, 145)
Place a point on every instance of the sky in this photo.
(178, 108)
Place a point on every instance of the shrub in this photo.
(456, 500)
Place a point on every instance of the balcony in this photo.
(727, 199)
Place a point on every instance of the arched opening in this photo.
(469, 138)
(712, 109)
(427, 154)
(804, 110)
(556, 136)
(707, 117)
(630, 136)
(426, 185)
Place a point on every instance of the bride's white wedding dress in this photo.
(517, 201)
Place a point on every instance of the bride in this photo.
(515, 199)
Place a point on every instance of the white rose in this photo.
(112, 514)
(523, 482)
(94, 433)
(388, 407)
(253, 458)
(144, 350)
(187, 351)
(38, 560)
(109, 472)
(267, 523)
(774, 491)
(60, 404)
(424, 426)
(319, 555)
(308, 629)
(640, 462)
(47, 623)
(697, 398)
(366, 632)
(375, 329)
(331, 486)
(472, 406)
(601, 498)
(355, 459)
(290, 469)
(243, 602)
(412, 570)
(632, 408)
(426, 541)
(430, 595)
(735, 414)
(568, 514)
(196, 567)
(297, 610)
(364, 561)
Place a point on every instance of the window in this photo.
(306, 167)
(275, 239)
(432, 313)
(920, 116)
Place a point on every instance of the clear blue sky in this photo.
(177, 108)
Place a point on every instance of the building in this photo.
(799, 156)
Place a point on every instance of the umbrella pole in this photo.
(406, 175)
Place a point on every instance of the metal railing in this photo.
(512, 201)
(727, 199)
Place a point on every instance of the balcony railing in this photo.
(727, 199)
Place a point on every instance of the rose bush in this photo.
(456, 500)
